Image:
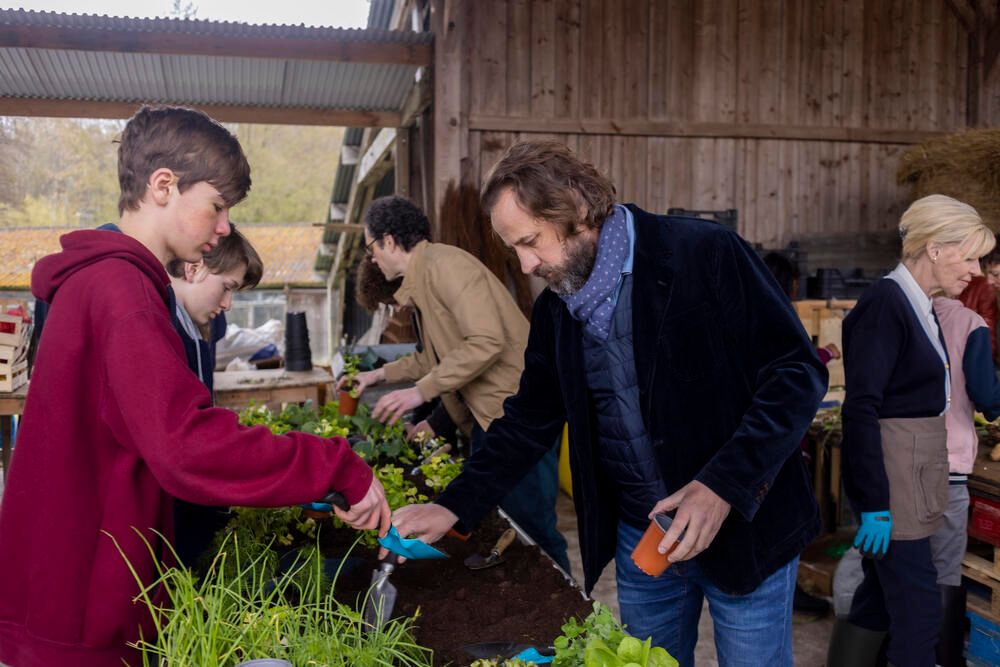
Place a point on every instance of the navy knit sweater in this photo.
(892, 371)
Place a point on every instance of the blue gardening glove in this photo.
(873, 535)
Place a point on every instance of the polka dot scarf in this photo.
(593, 304)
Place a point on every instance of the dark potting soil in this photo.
(525, 599)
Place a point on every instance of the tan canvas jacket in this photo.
(473, 333)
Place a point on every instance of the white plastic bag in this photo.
(244, 343)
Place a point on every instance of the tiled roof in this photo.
(288, 253)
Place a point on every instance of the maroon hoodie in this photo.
(115, 427)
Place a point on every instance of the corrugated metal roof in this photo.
(380, 13)
(208, 28)
(342, 183)
(297, 82)
(288, 253)
(133, 77)
(353, 136)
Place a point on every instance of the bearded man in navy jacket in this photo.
(688, 383)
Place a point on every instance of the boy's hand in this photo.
(833, 350)
(393, 405)
(371, 512)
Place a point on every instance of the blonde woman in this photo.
(895, 442)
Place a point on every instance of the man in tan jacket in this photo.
(470, 352)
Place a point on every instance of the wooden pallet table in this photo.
(272, 388)
(984, 482)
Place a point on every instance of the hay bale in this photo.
(964, 165)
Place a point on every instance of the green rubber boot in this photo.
(853, 646)
(951, 641)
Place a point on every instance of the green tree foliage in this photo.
(58, 172)
(63, 172)
(292, 168)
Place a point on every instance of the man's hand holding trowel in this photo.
(427, 523)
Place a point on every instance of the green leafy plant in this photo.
(398, 492)
(512, 662)
(380, 442)
(440, 471)
(352, 364)
(630, 653)
(601, 641)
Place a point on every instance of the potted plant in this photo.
(347, 401)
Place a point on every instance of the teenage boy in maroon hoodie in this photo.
(116, 426)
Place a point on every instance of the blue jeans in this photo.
(753, 630)
(531, 504)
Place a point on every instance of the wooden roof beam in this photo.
(131, 41)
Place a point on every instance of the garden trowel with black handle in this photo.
(381, 596)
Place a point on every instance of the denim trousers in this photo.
(531, 504)
(753, 630)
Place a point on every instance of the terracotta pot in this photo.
(645, 556)
(347, 405)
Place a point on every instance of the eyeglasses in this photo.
(369, 248)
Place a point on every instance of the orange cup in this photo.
(645, 555)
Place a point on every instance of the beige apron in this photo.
(915, 452)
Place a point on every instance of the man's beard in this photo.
(570, 277)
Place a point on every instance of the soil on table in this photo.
(525, 599)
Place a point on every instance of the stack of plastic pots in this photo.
(298, 355)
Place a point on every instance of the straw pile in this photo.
(964, 165)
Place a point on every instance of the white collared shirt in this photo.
(923, 307)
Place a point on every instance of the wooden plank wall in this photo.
(875, 66)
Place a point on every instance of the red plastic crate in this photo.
(985, 522)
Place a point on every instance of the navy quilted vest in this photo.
(625, 452)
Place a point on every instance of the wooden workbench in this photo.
(10, 404)
(237, 389)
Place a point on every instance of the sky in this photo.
(331, 13)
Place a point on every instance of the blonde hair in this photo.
(945, 220)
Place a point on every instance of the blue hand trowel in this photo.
(412, 549)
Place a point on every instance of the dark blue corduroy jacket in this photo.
(729, 383)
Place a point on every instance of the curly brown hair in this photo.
(371, 288)
(551, 183)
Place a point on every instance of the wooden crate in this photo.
(14, 332)
(13, 375)
(823, 321)
(817, 564)
(15, 337)
(987, 573)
